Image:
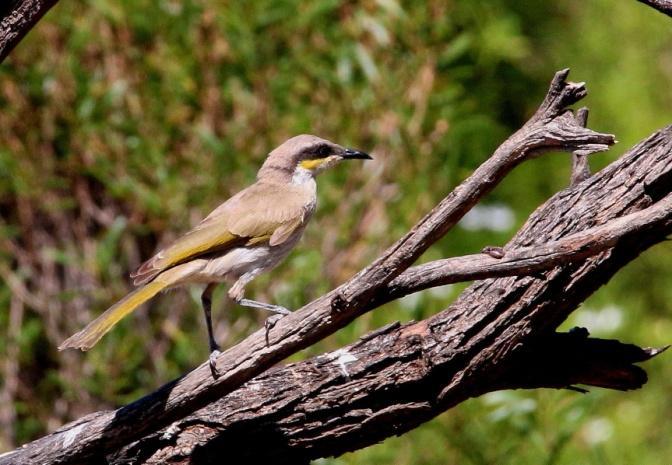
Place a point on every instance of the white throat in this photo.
(302, 176)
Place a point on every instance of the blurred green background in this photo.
(124, 122)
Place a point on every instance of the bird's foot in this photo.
(280, 310)
(212, 359)
(272, 320)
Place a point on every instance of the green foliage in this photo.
(124, 122)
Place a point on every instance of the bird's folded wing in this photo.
(261, 213)
(193, 244)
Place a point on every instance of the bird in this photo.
(248, 234)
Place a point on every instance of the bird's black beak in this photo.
(352, 154)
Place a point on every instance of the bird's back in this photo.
(263, 213)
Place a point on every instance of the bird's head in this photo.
(306, 155)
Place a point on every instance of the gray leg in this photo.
(264, 306)
(238, 290)
(206, 300)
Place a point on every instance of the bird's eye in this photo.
(322, 151)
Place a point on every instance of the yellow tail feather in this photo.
(91, 334)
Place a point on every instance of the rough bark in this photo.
(552, 127)
(499, 334)
(313, 409)
(18, 17)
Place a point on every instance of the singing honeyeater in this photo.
(248, 234)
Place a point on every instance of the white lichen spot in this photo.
(70, 435)
(170, 432)
(342, 357)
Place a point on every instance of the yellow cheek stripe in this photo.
(312, 164)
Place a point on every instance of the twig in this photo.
(528, 260)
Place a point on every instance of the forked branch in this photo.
(498, 335)
(480, 343)
(553, 127)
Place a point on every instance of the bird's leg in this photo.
(236, 294)
(264, 306)
(206, 300)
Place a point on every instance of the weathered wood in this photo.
(553, 127)
(499, 334)
(19, 17)
(525, 261)
(310, 409)
(580, 165)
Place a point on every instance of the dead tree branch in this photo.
(553, 127)
(498, 335)
(19, 17)
(526, 261)
(311, 409)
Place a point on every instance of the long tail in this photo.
(91, 334)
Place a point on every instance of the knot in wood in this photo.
(339, 303)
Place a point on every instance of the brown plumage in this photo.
(247, 218)
(243, 237)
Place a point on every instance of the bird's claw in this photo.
(270, 323)
(212, 360)
(282, 311)
(272, 320)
